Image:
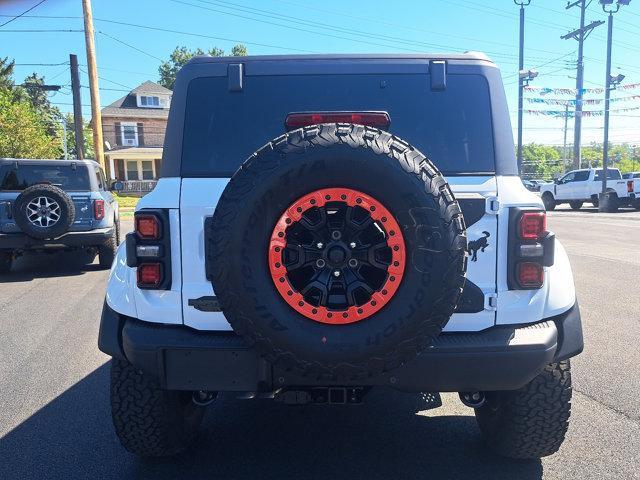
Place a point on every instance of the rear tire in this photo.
(549, 201)
(107, 251)
(6, 260)
(149, 421)
(531, 422)
(576, 205)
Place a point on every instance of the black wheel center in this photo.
(337, 255)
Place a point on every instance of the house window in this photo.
(140, 170)
(132, 170)
(129, 134)
(147, 170)
(148, 101)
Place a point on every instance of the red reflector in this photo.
(98, 209)
(147, 227)
(149, 275)
(371, 119)
(530, 274)
(532, 225)
(630, 186)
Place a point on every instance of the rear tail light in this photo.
(149, 275)
(530, 275)
(532, 225)
(98, 209)
(630, 186)
(531, 248)
(147, 227)
(371, 119)
(149, 249)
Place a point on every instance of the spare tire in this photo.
(44, 211)
(338, 250)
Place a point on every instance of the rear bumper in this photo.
(20, 241)
(499, 358)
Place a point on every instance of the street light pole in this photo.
(610, 83)
(522, 3)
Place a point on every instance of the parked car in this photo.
(630, 175)
(52, 205)
(531, 185)
(579, 186)
(324, 225)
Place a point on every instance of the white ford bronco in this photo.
(325, 225)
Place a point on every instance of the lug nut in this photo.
(353, 262)
(319, 244)
(352, 244)
(336, 273)
(336, 235)
(320, 263)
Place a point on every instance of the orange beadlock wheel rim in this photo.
(337, 256)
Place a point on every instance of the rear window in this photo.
(26, 175)
(453, 128)
(611, 174)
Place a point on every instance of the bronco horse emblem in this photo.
(479, 244)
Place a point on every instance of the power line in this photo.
(201, 35)
(40, 64)
(107, 80)
(130, 46)
(315, 24)
(56, 30)
(23, 13)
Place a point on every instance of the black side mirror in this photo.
(117, 186)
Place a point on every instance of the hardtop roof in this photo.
(472, 57)
(45, 161)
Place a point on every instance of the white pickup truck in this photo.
(579, 186)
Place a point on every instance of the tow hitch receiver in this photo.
(322, 395)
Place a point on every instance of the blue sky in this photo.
(297, 26)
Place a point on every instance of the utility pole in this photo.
(77, 107)
(610, 84)
(93, 82)
(580, 35)
(564, 147)
(522, 3)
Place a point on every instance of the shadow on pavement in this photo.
(46, 265)
(72, 437)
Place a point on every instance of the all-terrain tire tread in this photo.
(267, 158)
(149, 421)
(531, 422)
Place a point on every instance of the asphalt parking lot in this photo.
(55, 420)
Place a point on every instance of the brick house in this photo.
(133, 128)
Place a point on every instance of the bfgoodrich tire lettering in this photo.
(530, 422)
(375, 163)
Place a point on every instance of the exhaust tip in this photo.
(473, 399)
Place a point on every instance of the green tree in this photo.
(71, 138)
(51, 115)
(540, 161)
(23, 133)
(6, 73)
(629, 165)
(181, 55)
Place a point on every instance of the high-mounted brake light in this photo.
(370, 119)
(530, 275)
(98, 209)
(532, 225)
(149, 275)
(147, 227)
